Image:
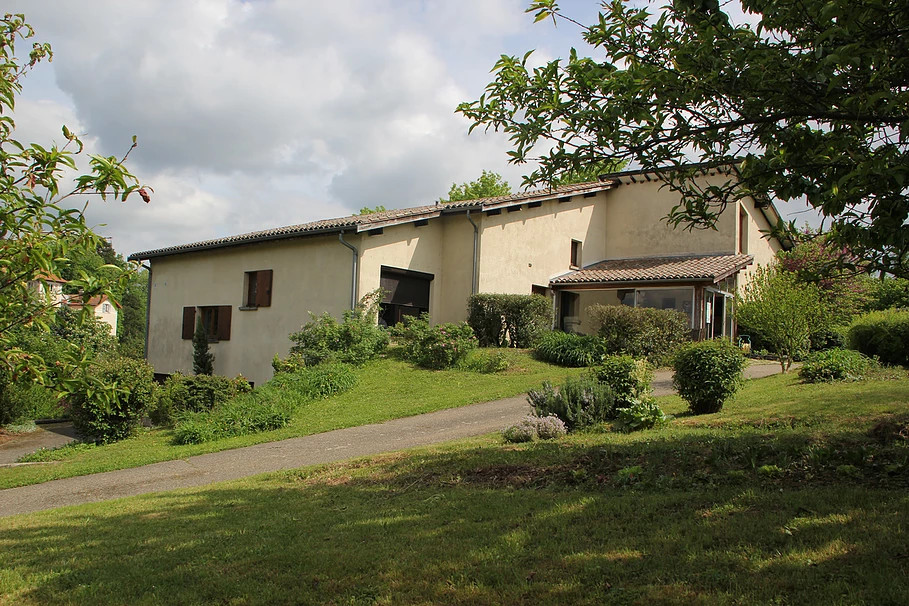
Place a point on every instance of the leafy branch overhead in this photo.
(39, 236)
(809, 102)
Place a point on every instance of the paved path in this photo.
(327, 447)
(50, 435)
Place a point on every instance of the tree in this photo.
(783, 311)
(840, 278)
(39, 236)
(811, 100)
(489, 185)
(203, 359)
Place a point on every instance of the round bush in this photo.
(551, 427)
(107, 419)
(628, 378)
(707, 374)
(883, 335)
(835, 365)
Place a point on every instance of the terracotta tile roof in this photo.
(712, 268)
(75, 301)
(361, 223)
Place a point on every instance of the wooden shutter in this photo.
(263, 288)
(224, 322)
(189, 322)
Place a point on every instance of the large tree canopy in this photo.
(489, 185)
(40, 238)
(810, 100)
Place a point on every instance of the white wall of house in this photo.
(107, 312)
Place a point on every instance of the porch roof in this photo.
(684, 268)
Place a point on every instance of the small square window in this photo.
(575, 254)
(258, 289)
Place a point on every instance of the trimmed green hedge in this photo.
(882, 334)
(508, 320)
(641, 332)
(569, 349)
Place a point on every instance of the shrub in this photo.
(781, 313)
(549, 428)
(485, 361)
(325, 380)
(525, 431)
(890, 293)
(578, 403)
(835, 365)
(626, 377)
(707, 374)
(250, 412)
(194, 393)
(568, 349)
(641, 414)
(640, 331)
(437, 347)
(105, 415)
(882, 334)
(355, 340)
(503, 320)
(292, 363)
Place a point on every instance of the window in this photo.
(575, 254)
(215, 318)
(105, 308)
(406, 294)
(258, 289)
(743, 231)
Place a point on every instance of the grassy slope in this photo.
(794, 495)
(387, 389)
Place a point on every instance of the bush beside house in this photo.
(508, 320)
(640, 332)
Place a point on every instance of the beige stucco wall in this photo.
(762, 249)
(109, 317)
(533, 246)
(636, 225)
(311, 274)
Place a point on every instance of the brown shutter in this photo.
(263, 285)
(224, 322)
(189, 322)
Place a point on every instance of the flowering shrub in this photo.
(545, 428)
(440, 346)
(525, 431)
(550, 427)
(578, 402)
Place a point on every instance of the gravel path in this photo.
(338, 445)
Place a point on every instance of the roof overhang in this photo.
(653, 271)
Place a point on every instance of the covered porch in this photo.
(700, 286)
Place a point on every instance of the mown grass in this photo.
(387, 389)
(796, 494)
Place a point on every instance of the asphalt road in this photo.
(338, 445)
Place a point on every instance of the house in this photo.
(50, 287)
(102, 307)
(599, 242)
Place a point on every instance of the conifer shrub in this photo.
(708, 373)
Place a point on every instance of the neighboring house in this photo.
(103, 308)
(48, 286)
(579, 244)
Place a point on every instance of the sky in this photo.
(257, 114)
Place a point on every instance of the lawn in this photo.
(387, 389)
(796, 494)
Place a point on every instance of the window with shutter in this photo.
(215, 319)
(258, 289)
(189, 322)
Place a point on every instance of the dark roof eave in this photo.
(592, 284)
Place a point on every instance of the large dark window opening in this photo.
(406, 294)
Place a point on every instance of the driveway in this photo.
(328, 447)
(50, 435)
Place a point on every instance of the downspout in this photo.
(474, 285)
(353, 269)
(147, 307)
